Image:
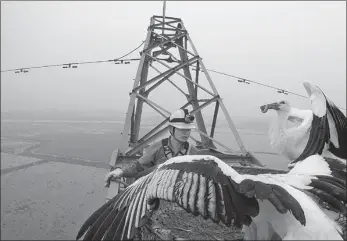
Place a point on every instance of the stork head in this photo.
(282, 105)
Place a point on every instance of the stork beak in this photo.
(264, 108)
(274, 106)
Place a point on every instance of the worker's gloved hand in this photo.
(113, 174)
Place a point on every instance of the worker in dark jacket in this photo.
(180, 126)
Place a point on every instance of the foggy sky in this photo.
(275, 43)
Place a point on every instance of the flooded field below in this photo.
(95, 141)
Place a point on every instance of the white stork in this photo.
(322, 130)
(266, 206)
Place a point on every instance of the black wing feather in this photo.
(290, 204)
(105, 225)
(335, 181)
(94, 217)
(319, 135)
(329, 199)
(95, 226)
(117, 227)
(329, 188)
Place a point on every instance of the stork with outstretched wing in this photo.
(266, 206)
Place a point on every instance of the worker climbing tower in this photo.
(169, 52)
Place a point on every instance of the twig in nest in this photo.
(181, 229)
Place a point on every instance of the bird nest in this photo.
(186, 226)
(174, 222)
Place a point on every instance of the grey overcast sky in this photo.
(276, 43)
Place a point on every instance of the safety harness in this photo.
(169, 153)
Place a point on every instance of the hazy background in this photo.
(275, 43)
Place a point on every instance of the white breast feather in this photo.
(291, 142)
(313, 165)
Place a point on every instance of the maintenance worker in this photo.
(180, 125)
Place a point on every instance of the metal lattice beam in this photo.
(143, 87)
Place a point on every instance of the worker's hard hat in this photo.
(181, 119)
